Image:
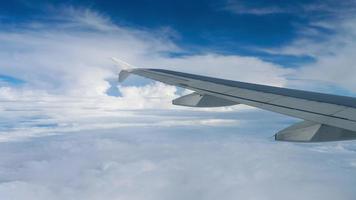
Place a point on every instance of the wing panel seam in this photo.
(273, 104)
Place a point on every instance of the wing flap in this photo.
(198, 100)
(313, 132)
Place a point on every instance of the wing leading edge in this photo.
(327, 117)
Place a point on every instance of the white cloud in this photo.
(334, 54)
(329, 38)
(161, 163)
(85, 17)
(25, 115)
(63, 137)
(315, 9)
(238, 7)
(71, 57)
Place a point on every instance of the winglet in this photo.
(123, 75)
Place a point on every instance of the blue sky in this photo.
(68, 130)
(228, 27)
(261, 29)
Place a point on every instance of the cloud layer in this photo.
(161, 163)
(62, 136)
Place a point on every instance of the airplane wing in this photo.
(327, 117)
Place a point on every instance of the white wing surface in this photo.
(327, 117)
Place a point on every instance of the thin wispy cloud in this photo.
(238, 7)
(331, 43)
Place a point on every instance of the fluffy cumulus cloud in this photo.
(63, 136)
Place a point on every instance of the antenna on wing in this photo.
(125, 68)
